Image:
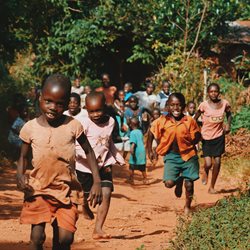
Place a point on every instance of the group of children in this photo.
(73, 151)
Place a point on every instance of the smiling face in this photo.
(95, 106)
(74, 106)
(166, 87)
(133, 103)
(150, 89)
(175, 107)
(53, 102)
(191, 108)
(213, 93)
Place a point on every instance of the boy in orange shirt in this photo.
(177, 135)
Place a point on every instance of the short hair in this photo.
(60, 80)
(129, 84)
(150, 83)
(134, 97)
(76, 96)
(95, 94)
(180, 97)
(105, 74)
(213, 85)
(190, 102)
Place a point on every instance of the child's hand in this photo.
(23, 183)
(95, 195)
(227, 129)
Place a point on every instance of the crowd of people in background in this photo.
(116, 126)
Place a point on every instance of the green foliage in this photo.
(241, 119)
(225, 226)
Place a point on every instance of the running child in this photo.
(98, 127)
(137, 160)
(213, 131)
(177, 135)
(51, 191)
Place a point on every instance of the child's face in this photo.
(53, 101)
(77, 83)
(121, 95)
(156, 114)
(87, 89)
(150, 89)
(133, 103)
(191, 108)
(105, 80)
(127, 88)
(74, 106)
(175, 107)
(95, 108)
(213, 93)
(166, 87)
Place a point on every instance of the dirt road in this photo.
(139, 215)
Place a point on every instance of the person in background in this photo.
(77, 88)
(191, 109)
(108, 90)
(163, 96)
(119, 103)
(87, 90)
(146, 98)
(128, 87)
(137, 160)
(213, 131)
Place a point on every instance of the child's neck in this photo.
(57, 122)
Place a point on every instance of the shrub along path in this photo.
(139, 215)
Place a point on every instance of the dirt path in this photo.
(139, 215)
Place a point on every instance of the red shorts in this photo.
(44, 209)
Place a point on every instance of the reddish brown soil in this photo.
(139, 215)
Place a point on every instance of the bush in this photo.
(225, 226)
(241, 119)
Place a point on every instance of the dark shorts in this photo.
(175, 166)
(137, 167)
(86, 179)
(214, 147)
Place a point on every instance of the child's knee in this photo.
(37, 238)
(189, 185)
(169, 183)
(66, 239)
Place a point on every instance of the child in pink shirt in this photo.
(213, 131)
(98, 127)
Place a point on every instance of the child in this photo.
(163, 96)
(137, 160)
(128, 87)
(87, 90)
(74, 107)
(190, 108)
(119, 103)
(177, 135)
(98, 127)
(51, 191)
(134, 110)
(213, 132)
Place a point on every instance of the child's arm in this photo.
(229, 120)
(132, 150)
(22, 180)
(197, 115)
(95, 195)
(149, 145)
(115, 153)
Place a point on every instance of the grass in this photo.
(224, 227)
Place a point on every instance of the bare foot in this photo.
(212, 191)
(187, 211)
(101, 235)
(87, 213)
(178, 187)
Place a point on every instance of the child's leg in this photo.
(131, 176)
(62, 238)
(102, 212)
(189, 186)
(215, 173)
(144, 176)
(207, 166)
(37, 236)
(87, 213)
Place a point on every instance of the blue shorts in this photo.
(175, 166)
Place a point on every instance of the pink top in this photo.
(53, 151)
(212, 119)
(99, 136)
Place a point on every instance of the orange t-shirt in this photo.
(53, 151)
(165, 129)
